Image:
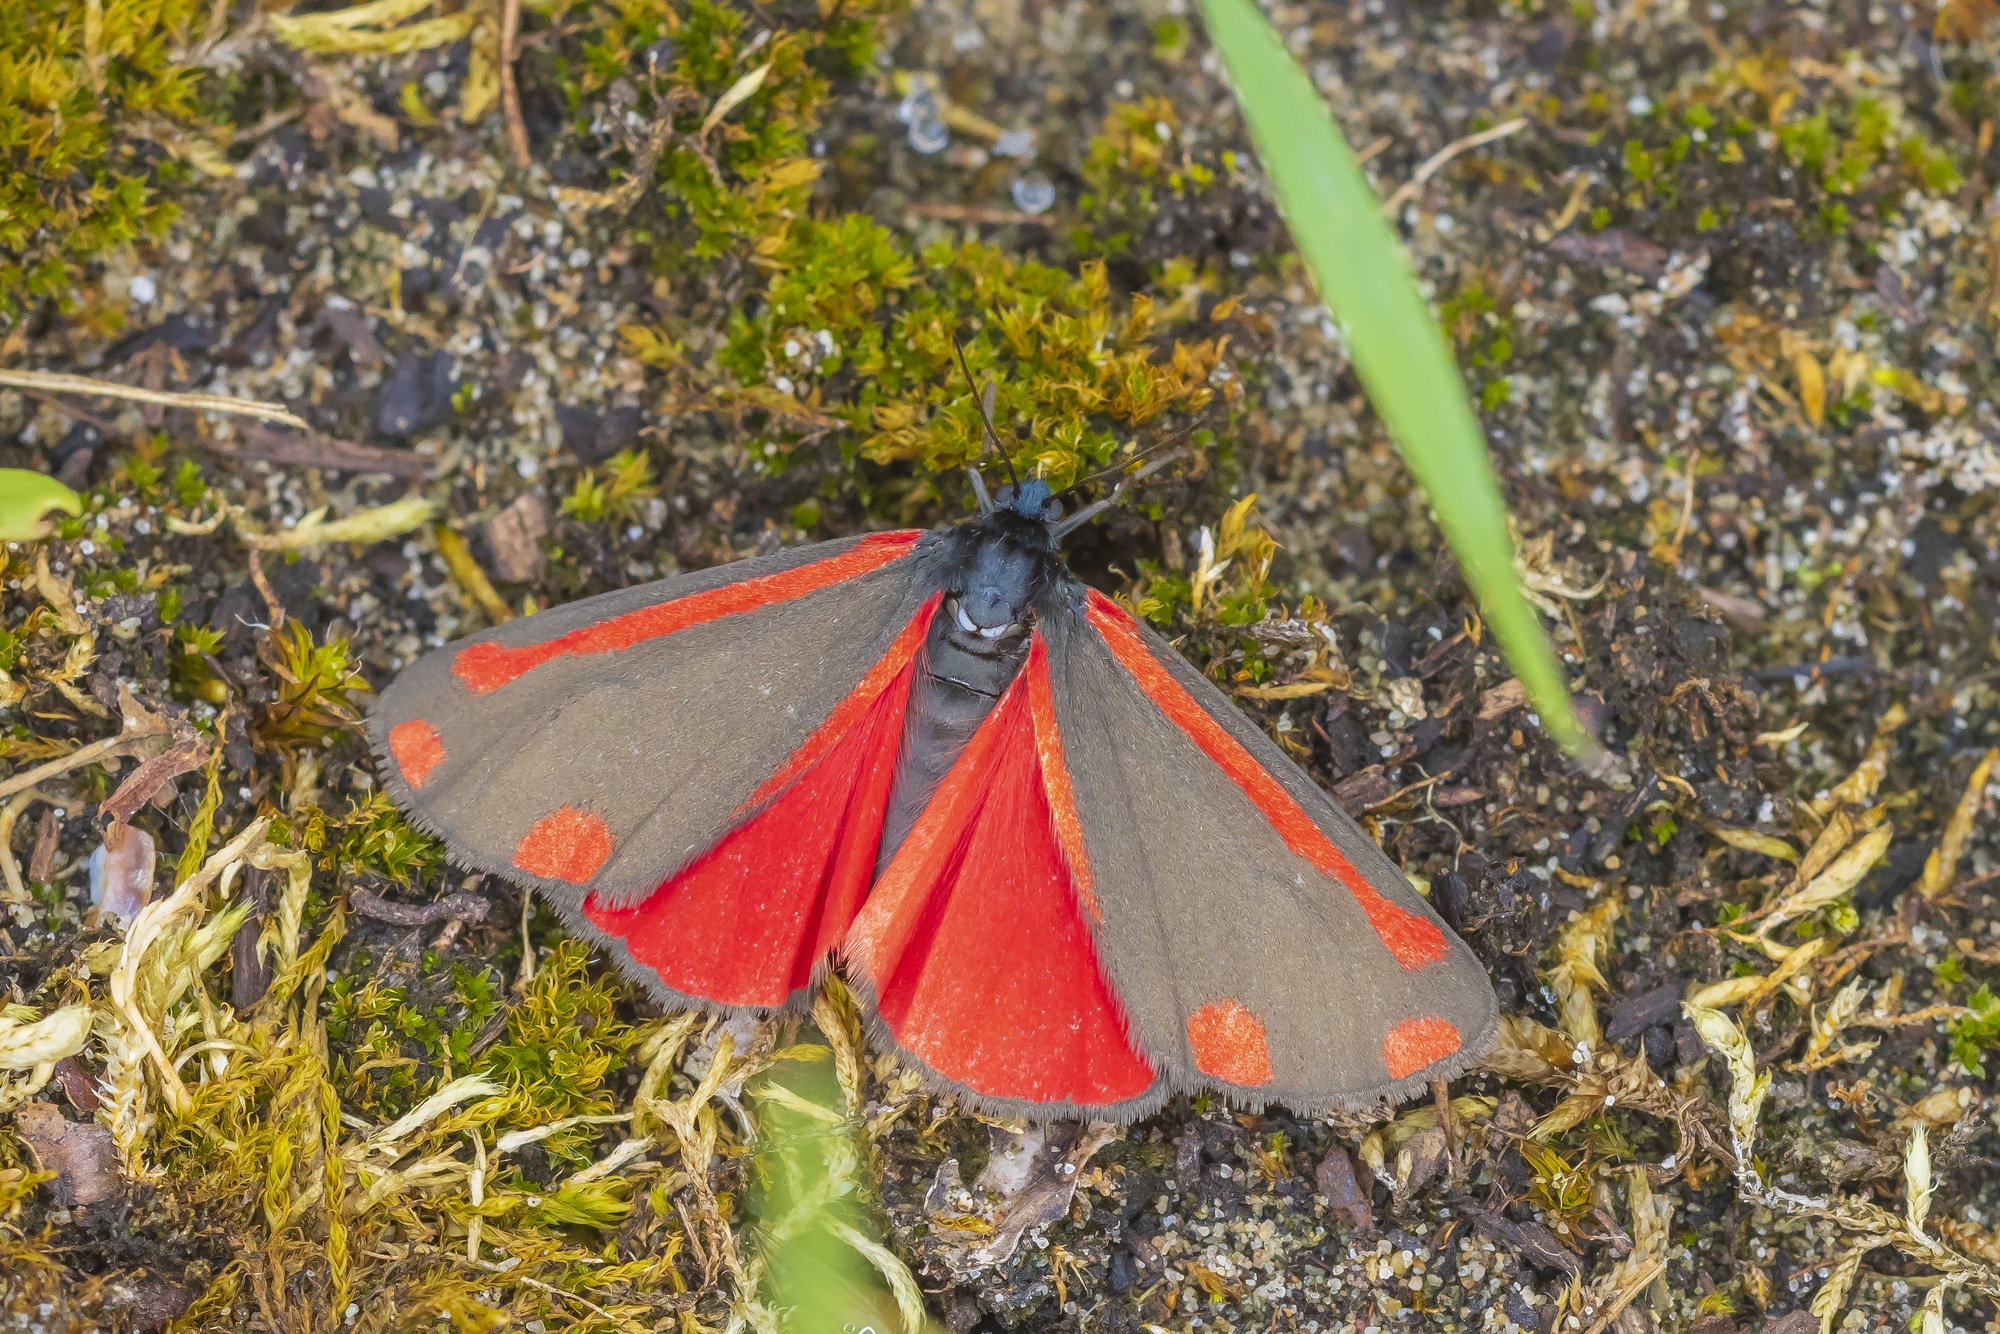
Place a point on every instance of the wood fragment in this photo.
(43, 860)
(325, 452)
(510, 95)
(453, 907)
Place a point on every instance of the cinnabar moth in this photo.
(1065, 874)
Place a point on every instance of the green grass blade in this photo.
(1397, 349)
(26, 498)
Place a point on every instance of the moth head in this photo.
(1030, 499)
(996, 594)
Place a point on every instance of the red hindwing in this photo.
(975, 937)
(748, 920)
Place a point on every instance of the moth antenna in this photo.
(985, 402)
(979, 490)
(1097, 507)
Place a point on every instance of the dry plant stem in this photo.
(82, 755)
(550, 1288)
(510, 96)
(272, 607)
(1624, 1299)
(8, 816)
(1437, 161)
(82, 384)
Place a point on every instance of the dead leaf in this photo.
(1044, 1192)
(152, 777)
(1420, 1159)
(1812, 386)
(515, 535)
(1501, 700)
(80, 1153)
(1335, 1179)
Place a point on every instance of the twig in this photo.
(550, 1288)
(1437, 161)
(96, 750)
(320, 451)
(510, 96)
(452, 906)
(83, 384)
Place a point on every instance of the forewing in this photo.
(601, 746)
(1263, 947)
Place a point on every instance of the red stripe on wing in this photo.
(982, 964)
(1055, 778)
(1412, 940)
(486, 666)
(746, 922)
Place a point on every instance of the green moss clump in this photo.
(1840, 153)
(1138, 154)
(853, 336)
(79, 83)
(855, 331)
(743, 180)
(563, 1042)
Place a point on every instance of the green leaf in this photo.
(1397, 350)
(25, 497)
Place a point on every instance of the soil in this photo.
(1634, 316)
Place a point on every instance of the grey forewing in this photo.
(958, 680)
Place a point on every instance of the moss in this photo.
(81, 100)
(742, 181)
(627, 485)
(856, 331)
(1139, 155)
(563, 1042)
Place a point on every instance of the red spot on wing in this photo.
(1055, 778)
(746, 922)
(418, 749)
(568, 845)
(1414, 941)
(1228, 1043)
(983, 966)
(486, 666)
(1419, 1042)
